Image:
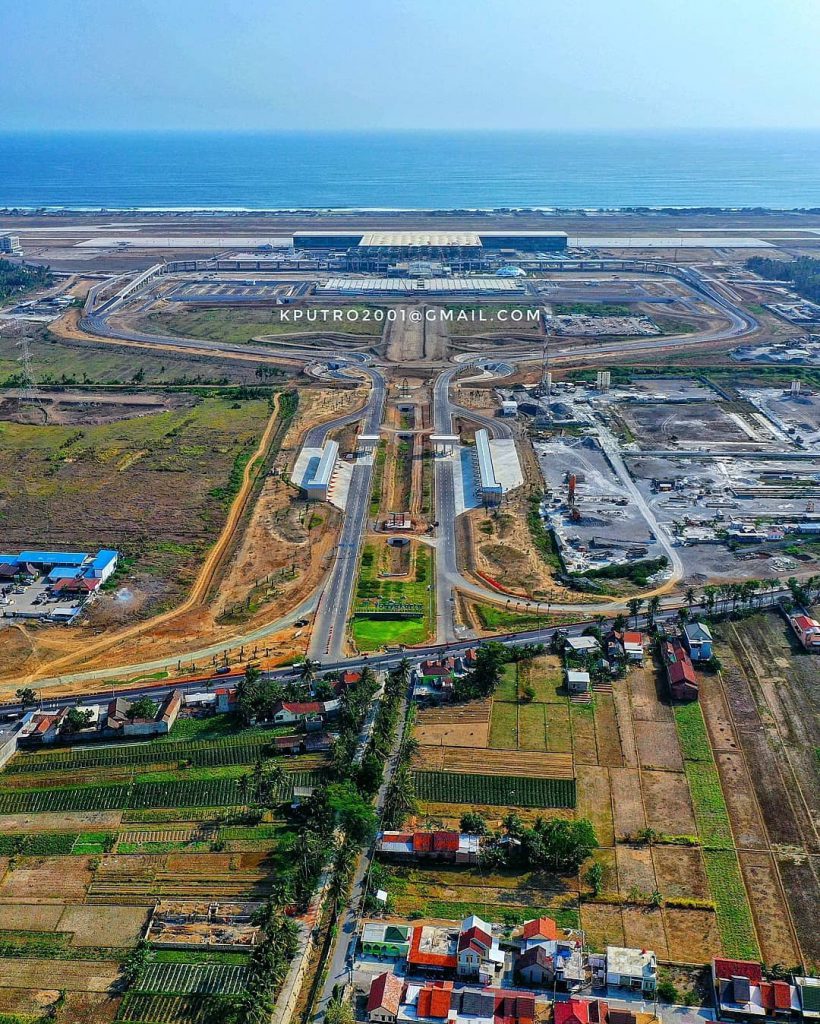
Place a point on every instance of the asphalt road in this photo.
(330, 619)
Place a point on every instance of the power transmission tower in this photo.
(30, 395)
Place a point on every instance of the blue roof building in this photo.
(53, 558)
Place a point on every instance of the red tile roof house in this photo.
(288, 712)
(385, 998)
(455, 847)
(478, 952)
(590, 1011)
(742, 993)
(680, 671)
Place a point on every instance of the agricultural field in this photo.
(373, 624)
(117, 484)
(171, 825)
(650, 778)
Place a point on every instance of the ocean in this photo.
(409, 170)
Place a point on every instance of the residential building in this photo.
(743, 993)
(550, 958)
(479, 955)
(577, 681)
(455, 847)
(633, 646)
(291, 712)
(582, 644)
(433, 950)
(385, 998)
(590, 1011)
(698, 640)
(386, 940)
(808, 992)
(438, 1001)
(807, 630)
(680, 671)
(635, 969)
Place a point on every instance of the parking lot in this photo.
(33, 601)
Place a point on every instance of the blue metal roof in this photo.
(63, 572)
(103, 557)
(53, 557)
(9, 559)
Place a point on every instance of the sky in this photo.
(543, 65)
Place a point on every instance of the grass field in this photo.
(370, 632)
(240, 326)
(155, 486)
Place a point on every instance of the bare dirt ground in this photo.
(86, 407)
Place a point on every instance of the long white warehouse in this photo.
(489, 486)
(318, 486)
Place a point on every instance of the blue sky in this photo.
(395, 64)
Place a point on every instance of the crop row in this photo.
(734, 917)
(711, 813)
(148, 1008)
(694, 739)
(188, 979)
(205, 753)
(193, 793)
(498, 790)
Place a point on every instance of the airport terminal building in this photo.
(379, 251)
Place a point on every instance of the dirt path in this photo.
(199, 591)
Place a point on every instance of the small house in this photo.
(582, 645)
(634, 969)
(680, 672)
(385, 998)
(698, 640)
(478, 952)
(578, 682)
(633, 646)
(386, 940)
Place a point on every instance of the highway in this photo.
(330, 619)
(382, 662)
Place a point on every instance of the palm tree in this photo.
(634, 604)
(690, 597)
(403, 671)
(307, 672)
(652, 608)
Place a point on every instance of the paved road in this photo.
(330, 620)
(341, 958)
(382, 662)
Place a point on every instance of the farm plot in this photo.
(147, 1007)
(187, 793)
(768, 908)
(210, 753)
(496, 790)
(504, 725)
(466, 725)
(188, 978)
(495, 762)
(734, 919)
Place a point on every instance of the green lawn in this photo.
(507, 688)
(370, 632)
(532, 727)
(240, 326)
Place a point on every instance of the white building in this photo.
(635, 969)
(489, 486)
(10, 244)
(318, 486)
